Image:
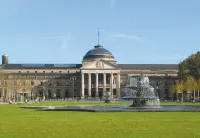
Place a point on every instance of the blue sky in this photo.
(135, 31)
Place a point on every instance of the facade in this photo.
(98, 73)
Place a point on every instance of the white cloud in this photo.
(126, 36)
(65, 41)
(173, 57)
(112, 4)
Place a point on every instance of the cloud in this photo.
(112, 4)
(126, 36)
(173, 57)
(65, 41)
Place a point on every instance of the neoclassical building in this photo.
(98, 73)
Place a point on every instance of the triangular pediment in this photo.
(99, 64)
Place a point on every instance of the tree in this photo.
(178, 88)
(190, 67)
(198, 86)
(191, 85)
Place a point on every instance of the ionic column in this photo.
(96, 88)
(111, 84)
(118, 85)
(82, 86)
(104, 84)
(89, 85)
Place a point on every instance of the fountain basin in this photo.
(164, 108)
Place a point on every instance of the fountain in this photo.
(140, 93)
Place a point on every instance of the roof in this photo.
(41, 66)
(148, 66)
(67, 66)
(98, 52)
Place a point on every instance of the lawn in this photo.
(28, 123)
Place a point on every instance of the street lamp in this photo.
(73, 78)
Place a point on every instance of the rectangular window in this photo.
(66, 93)
(58, 94)
(32, 82)
(49, 93)
(41, 83)
(58, 83)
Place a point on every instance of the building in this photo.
(98, 73)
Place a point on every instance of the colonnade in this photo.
(97, 86)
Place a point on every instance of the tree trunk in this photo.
(194, 95)
(182, 96)
(198, 94)
(176, 96)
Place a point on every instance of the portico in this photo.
(103, 81)
(98, 77)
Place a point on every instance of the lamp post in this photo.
(73, 78)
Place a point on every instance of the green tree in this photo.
(198, 86)
(178, 88)
(190, 67)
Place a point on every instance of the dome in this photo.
(98, 52)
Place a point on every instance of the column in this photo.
(97, 87)
(89, 85)
(82, 86)
(111, 84)
(104, 84)
(118, 85)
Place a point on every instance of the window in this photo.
(49, 93)
(158, 83)
(19, 71)
(174, 83)
(50, 84)
(166, 84)
(32, 82)
(27, 71)
(114, 92)
(41, 83)
(75, 93)
(60, 71)
(43, 71)
(58, 94)
(58, 83)
(66, 83)
(68, 71)
(5, 83)
(35, 71)
(66, 93)
(23, 90)
(166, 93)
(24, 83)
(51, 71)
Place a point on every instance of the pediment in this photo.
(99, 64)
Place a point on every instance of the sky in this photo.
(134, 31)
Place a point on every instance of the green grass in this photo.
(27, 123)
